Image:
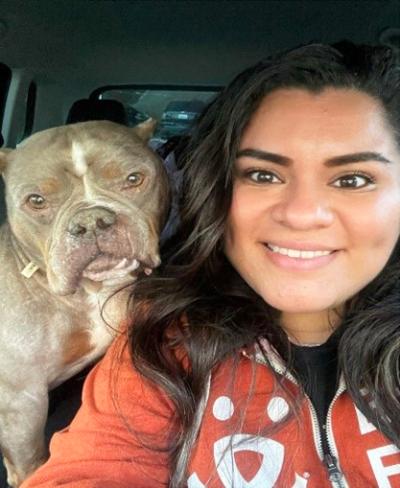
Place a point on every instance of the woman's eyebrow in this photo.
(335, 161)
(264, 156)
(356, 158)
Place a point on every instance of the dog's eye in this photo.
(135, 179)
(36, 201)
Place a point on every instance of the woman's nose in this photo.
(303, 208)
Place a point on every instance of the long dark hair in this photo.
(197, 301)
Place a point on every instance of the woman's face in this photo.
(315, 212)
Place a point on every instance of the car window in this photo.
(5, 79)
(175, 108)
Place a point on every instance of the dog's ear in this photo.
(146, 129)
(3, 158)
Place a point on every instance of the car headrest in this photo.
(88, 109)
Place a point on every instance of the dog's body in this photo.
(85, 206)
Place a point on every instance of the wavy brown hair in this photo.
(197, 300)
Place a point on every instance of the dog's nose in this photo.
(91, 221)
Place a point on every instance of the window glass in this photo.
(175, 108)
(5, 79)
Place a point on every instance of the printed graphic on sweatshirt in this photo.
(245, 460)
(228, 449)
(381, 458)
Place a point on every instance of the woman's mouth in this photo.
(301, 259)
(298, 253)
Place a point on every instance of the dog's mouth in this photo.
(115, 257)
(107, 267)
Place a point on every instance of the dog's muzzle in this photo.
(101, 245)
(91, 222)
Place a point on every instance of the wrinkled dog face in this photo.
(87, 202)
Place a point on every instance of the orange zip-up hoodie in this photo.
(237, 445)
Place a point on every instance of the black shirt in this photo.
(317, 369)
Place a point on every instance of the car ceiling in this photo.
(168, 41)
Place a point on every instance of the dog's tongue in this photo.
(106, 267)
(102, 263)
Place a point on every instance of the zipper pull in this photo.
(335, 474)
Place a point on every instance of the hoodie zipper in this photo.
(335, 475)
(330, 457)
(324, 447)
(327, 456)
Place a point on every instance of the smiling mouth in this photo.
(298, 253)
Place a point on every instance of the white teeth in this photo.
(134, 265)
(296, 253)
(121, 264)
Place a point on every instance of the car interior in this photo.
(69, 61)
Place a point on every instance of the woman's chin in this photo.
(300, 305)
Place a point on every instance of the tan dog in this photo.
(85, 204)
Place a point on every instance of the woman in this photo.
(265, 351)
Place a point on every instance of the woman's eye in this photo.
(353, 181)
(259, 176)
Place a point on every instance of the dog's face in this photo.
(87, 202)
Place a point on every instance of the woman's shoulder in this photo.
(106, 443)
(115, 381)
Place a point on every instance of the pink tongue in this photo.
(102, 263)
